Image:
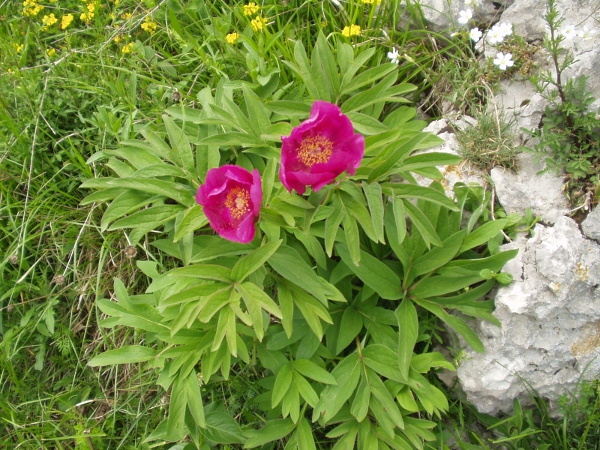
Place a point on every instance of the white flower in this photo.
(503, 61)
(586, 33)
(465, 15)
(471, 3)
(475, 34)
(495, 35)
(505, 28)
(569, 32)
(394, 56)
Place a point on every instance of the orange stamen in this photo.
(238, 202)
(315, 150)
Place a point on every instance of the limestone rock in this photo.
(550, 316)
(591, 225)
(525, 189)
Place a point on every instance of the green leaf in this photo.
(204, 271)
(413, 191)
(304, 70)
(305, 389)
(193, 219)
(324, 67)
(458, 325)
(360, 404)
(274, 430)
(368, 77)
(283, 382)
(253, 261)
(384, 361)
(438, 256)
(191, 390)
(178, 192)
(422, 224)
(441, 285)
(383, 165)
(148, 218)
(332, 225)
(286, 302)
(287, 262)
(181, 153)
(374, 273)
(333, 397)
(352, 238)
(221, 428)
(304, 436)
(408, 323)
(483, 234)
(124, 355)
(124, 204)
(351, 325)
(310, 370)
(373, 193)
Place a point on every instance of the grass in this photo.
(105, 81)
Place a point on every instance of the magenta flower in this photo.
(319, 149)
(231, 198)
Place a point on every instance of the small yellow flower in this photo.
(48, 21)
(258, 23)
(18, 47)
(352, 30)
(31, 8)
(149, 25)
(127, 48)
(377, 2)
(251, 8)
(91, 7)
(86, 17)
(66, 21)
(126, 16)
(232, 38)
(117, 39)
(50, 52)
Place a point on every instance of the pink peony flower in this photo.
(319, 149)
(231, 198)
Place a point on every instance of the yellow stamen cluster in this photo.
(352, 30)
(315, 150)
(232, 38)
(66, 21)
(149, 25)
(251, 8)
(258, 23)
(238, 202)
(31, 8)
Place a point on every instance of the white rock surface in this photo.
(525, 189)
(550, 316)
(591, 225)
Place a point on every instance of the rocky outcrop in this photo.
(550, 316)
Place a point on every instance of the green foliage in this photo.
(569, 138)
(324, 307)
(488, 143)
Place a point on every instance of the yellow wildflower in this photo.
(48, 21)
(66, 21)
(258, 23)
(31, 8)
(352, 30)
(126, 16)
(251, 8)
(149, 25)
(127, 48)
(91, 7)
(377, 2)
(18, 47)
(232, 38)
(117, 39)
(86, 17)
(50, 52)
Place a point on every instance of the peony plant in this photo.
(315, 297)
